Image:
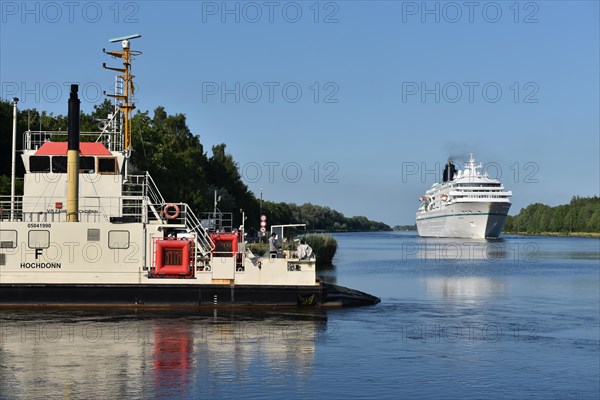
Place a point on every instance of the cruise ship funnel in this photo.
(449, 172)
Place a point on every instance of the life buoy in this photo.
(168, 208)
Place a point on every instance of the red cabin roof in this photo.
(60, 149)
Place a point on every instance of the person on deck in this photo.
(305, 252)
(273, 248)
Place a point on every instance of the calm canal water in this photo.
(511, 318)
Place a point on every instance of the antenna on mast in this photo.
(129, 37)
(124, 90)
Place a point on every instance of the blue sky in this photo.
(354, 105)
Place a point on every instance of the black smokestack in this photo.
(449, 172)
(73, 122)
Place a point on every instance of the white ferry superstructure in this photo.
(466, 204)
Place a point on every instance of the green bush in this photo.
(324, 247)
(258, 249)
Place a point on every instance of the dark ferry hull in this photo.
(156, 295)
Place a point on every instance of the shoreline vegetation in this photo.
(581, 218)
(164, 146)
(405, 227)
(557, 234)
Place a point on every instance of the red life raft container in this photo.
(173, 259)
(226, 244)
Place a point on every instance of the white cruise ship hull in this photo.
(464, 220)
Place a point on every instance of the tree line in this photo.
(582, 214)
(412, 227)
(164, 145)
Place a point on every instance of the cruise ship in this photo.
(466, 204)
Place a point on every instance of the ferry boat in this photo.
(89, 231)
(466, 204)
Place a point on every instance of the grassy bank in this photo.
(557, 234)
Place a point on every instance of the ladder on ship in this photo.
(141, 199)
(141, 195)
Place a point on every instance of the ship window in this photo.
(8, 239)
(93, 235)
(118, 239)
(107, 165)
(39, 239)
(39, 164)
(2, 259)
(87, 164)
(59, 164)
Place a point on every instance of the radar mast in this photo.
(124, 90)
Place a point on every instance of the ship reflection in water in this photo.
(465, 251)
(75, 354)
(467, 288)
(456, 264)
(172, 356)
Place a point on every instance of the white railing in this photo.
(91, 209)
(193, 224)
(145, 186)
(152, 191)
(217, 221)
(33, 140)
